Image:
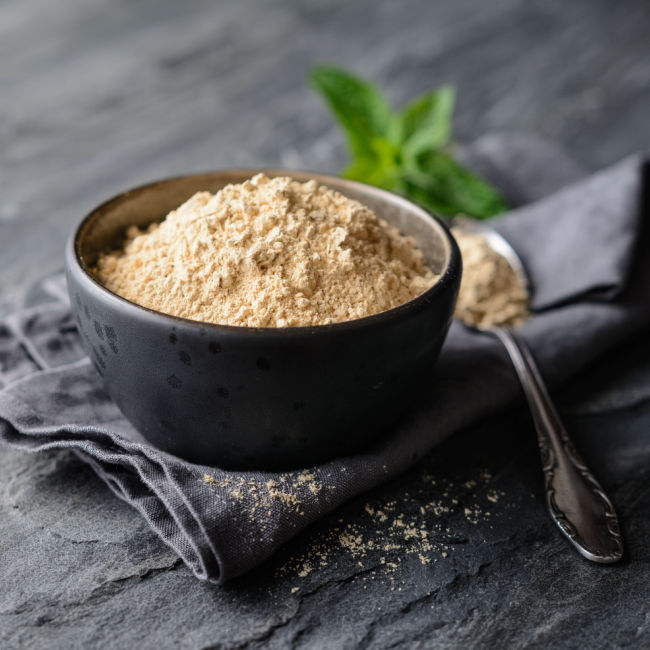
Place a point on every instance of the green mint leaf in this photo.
(426, 121)
(405, 152)
(381, 168)
(359, 107)
(367, 171)
(444, 185)
(428, 200)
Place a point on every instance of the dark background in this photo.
(96, 97)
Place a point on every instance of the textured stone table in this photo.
(100, 96)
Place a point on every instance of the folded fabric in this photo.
(590, 289)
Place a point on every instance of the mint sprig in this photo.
(408, 152)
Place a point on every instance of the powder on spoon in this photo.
(268, 253)
(491, 293)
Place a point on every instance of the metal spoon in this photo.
(575, 499)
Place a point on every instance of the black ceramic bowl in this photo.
(249, 397)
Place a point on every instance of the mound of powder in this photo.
(268, 253)
(491, 293)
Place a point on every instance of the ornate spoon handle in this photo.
(577, 503)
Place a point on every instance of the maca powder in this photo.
(268, 253)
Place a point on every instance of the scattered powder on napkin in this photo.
(409, 523)
(491, 293)
(268, 253)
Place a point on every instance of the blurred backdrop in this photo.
(100, 96)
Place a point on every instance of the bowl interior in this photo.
(103, 229)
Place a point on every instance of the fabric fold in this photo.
(587, 245)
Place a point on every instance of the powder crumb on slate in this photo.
(307, 568)
(268, 253)
(494, 495)
(354, 543)
(491, 293)
(398, 528)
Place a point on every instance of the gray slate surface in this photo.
(99, 97)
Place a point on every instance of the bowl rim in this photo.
(452, 269)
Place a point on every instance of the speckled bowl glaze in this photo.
(266, 398)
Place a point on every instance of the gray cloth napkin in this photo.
(592, 290)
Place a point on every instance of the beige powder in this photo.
(491, 293)
(268, 253)
(382, 535)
